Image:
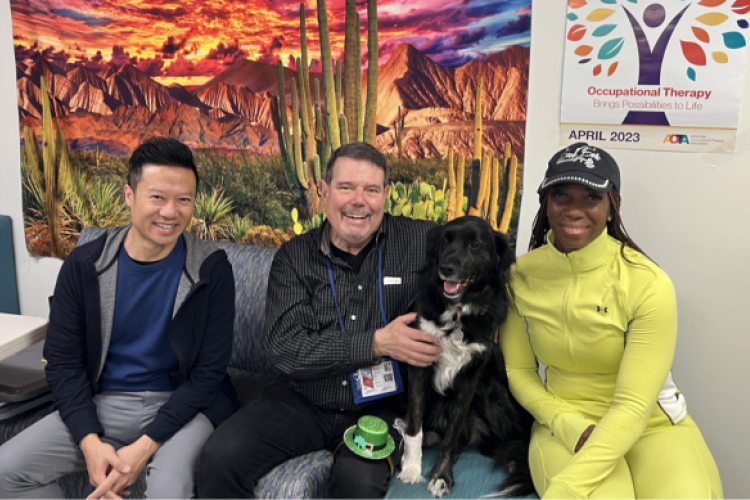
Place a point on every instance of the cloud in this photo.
(23, 52)
(94, 22)
(465, 38)
(151, 67)
(169, 47)
(50, 55)
(119, 56)
(229, 54)
(266, 53)
(522, 24)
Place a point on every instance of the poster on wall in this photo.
(246, 85)
(664, 75)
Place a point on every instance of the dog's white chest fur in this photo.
(454, 357)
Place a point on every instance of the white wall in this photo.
(36, 276)
(686, 211)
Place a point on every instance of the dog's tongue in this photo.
(451, 287)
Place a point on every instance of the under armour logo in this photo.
(600, 309)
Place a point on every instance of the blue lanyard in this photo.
(380, 289)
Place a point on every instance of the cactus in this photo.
(51, 175)
(337, 81)
(351, 64)
(460, 180)
(452, 187)
(476, 182)
(32, 156)
(398, 132)
(333, 133)
(316, 170)
(304, 78)
(511, 195)
(495, 193)
(344, 130)
(487, 185)
(370, 127)
(506, 174)
(360, 110)
(478, 122)
(297, 147)
(281, 123)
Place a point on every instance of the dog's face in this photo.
(465, 255)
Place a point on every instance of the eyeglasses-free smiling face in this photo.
(161, 207)
(354, 203)
(577, 215)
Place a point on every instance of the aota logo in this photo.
(676, 139)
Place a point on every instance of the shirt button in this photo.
(354, 317)
(359, 287)
(344, 383)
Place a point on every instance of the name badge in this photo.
(392, 280)
(377, 381)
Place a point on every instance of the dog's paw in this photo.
(411, 474)
(439, 487)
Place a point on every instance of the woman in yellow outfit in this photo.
(590, 345)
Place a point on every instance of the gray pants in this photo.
(32, 461)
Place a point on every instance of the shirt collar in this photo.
(593, 255)
(325, 237)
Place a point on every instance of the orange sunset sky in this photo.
(190, 41)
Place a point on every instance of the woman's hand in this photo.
(584, 437)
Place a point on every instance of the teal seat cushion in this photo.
(475, 476)
(8, 288)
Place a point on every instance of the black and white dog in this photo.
(464, 397)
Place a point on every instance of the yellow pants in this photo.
(668, 461)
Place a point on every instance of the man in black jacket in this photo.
(137, 348)
(338, 302)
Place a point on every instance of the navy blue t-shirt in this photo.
(140, 356)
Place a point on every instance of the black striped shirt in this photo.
(303, 333)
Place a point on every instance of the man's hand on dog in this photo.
(404, 343)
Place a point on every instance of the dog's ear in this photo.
(504, 256)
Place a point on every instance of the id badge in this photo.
(377, 381)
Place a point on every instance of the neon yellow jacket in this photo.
(603, 331)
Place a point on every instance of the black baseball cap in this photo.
(582, 164)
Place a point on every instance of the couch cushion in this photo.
(475, 476)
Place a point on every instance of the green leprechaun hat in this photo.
(370, 438)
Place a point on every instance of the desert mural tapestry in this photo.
(263, 91)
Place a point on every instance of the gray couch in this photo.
(304, 477)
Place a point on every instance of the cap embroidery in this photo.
(573, 178)
(583, 154)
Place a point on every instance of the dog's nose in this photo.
(447, 269)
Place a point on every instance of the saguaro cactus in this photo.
(370, 128)
(511, 195)
(333, 134)
(339, 108)
(360, 110)
(478, 121)
(344, 130)
(398, 132)
(495, 193)
(460, 180)
(451, 209)
(297, 149)
(351, 64)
